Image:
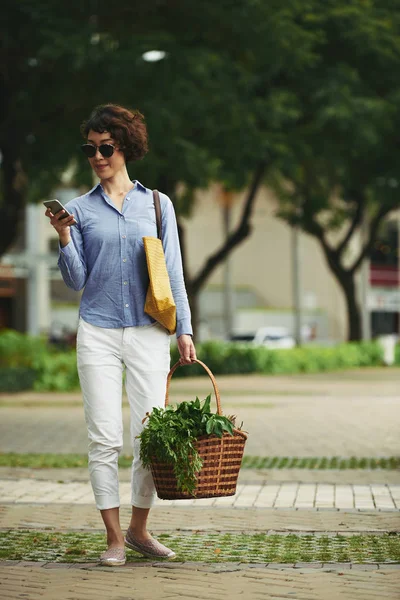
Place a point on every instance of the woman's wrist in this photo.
(64, 239)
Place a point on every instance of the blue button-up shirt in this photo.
(106, 257)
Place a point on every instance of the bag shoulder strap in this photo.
(157, 206)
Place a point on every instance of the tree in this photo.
(342, 169)
(42, 50)
(54, 62)
(196, 101)
(237, 108)
(300, 92)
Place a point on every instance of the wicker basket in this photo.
(221, 458)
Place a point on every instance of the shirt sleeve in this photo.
(71, 261)
(173, 259)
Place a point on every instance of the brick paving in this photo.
(354, 414)
(188, 581)
(166, 518)
(280, 495)
(351, 414)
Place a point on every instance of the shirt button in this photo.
(121, 217)
(126, 305)
(124, 236)
(124, 260)
(125, 283)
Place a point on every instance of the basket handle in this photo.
(211, 376)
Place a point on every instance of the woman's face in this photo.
(105, 168)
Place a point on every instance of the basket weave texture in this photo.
(221, 458)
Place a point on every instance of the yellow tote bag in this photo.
(160, 302)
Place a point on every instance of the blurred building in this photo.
(33, 296)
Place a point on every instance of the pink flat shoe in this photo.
(150, 548)
(113, 557)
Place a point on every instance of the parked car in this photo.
(274, 337)
(270, 337)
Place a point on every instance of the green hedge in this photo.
(16, 379)
(397, 354)
(28, 362)
(57, 372)
(228, 358)
(20, 350)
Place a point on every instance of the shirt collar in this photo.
(98, 187)
(140, 186)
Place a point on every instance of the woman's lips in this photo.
(99, 167)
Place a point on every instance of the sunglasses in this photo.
(106, 150)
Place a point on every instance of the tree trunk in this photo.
(196, 283)
(354, 323)
(346, 280)
(192, 294)
(237, 236)
(12, 197)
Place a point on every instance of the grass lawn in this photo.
(71, 461)
(209, 547)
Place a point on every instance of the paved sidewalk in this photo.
(348, 414)
(164, 519)
(353, 413)
(191, 581)
(262, 495)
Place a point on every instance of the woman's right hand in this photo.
(62, 226)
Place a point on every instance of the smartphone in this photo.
(55, 207)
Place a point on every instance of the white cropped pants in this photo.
(103, 355)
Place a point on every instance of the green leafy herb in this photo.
(170, 435)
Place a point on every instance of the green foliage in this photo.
(308, 87)
(397, 354)
(210, 547)
(170, 435)
(44, 461)
(73, 461)
(28, 362)
(340, 170)
(320, 462)
(20, 350)
(224, 358)
(16, 379)
(57, 372)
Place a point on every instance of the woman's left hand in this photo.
(186, 349)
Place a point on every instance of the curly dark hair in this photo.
(127, 127)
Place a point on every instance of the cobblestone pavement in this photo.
(200, 582)
(166, 518)
(279, 495)
(350, 414)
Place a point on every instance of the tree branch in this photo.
(356, 222)
(13, 199)
(235, 238)
(372, 233)
(331, 254)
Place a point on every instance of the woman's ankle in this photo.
(139, 533)
(115, 539)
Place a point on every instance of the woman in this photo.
(101, 250)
